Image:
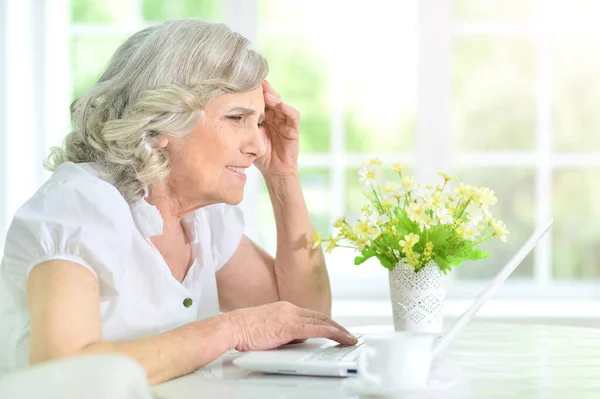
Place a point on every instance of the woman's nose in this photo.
(256, 142)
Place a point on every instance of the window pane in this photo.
(89, 57)
(355, 197)
(577, 93)
(321, 69)
(315, 185)
(296, 46)
(574, 13)
(103, 11)
(160, 10)
(576, 231)
(492, 9)
(515, 207)
(380, 68)
(267, 236)
(493, 103)
(301, 76)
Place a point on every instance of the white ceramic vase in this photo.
(417, 298)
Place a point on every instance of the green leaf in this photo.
(441, 238)
(442, 263)
(472, 254)
(479, 254)
(367, 253)
(453, 260)
(387, 264)
(359, 260)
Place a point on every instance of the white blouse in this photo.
(79, 217)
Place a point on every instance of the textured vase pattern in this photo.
(417, 298)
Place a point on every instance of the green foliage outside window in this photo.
(160, 10)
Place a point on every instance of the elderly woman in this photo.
(134, 244)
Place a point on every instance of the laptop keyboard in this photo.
(335, 353)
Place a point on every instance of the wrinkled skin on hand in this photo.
(281, 135)
(269, 326)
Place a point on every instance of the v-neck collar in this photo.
(149, 221)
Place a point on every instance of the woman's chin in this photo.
(233, 199)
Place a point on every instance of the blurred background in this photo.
(500, 92)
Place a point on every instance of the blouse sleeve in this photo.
(84, 220)
(226, 224)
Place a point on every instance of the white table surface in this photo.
(486, 361)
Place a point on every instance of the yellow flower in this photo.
(331, 244)
(413, 258)
(372, 163)
(415, 212)
(409, 183)
(381, 220)
(465, 191)
(316, 238)
(500, 229)
(427, 222)
(409, 241)
(448, 177)
(438, 199)
(339, 222)
(347, 232)
(443, 215)
(390, 187)
(388, 203)
(424, 197)
(398, 167)
(367, 176)
(486, 197)
(428, 252)
(361, 242)
(467, 231)
(364, 228)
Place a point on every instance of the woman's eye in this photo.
(236, 118)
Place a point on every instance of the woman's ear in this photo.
(162, 142)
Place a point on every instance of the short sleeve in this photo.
(82, 219)
(226, 229)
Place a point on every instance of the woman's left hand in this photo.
(281, 136)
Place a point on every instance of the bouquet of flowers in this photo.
(405, 223)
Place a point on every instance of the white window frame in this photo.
(42, 38)
(22, 101)
(3, 122)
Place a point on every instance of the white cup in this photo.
(394, 361)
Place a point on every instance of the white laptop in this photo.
(323, 357)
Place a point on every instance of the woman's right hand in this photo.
(269, 326)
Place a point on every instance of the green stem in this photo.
(484, 239)
(345, 246)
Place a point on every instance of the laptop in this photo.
(322, 357)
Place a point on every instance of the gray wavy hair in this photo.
(156, 83)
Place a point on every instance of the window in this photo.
(502, 93)
(351, 102)
(524, 81)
